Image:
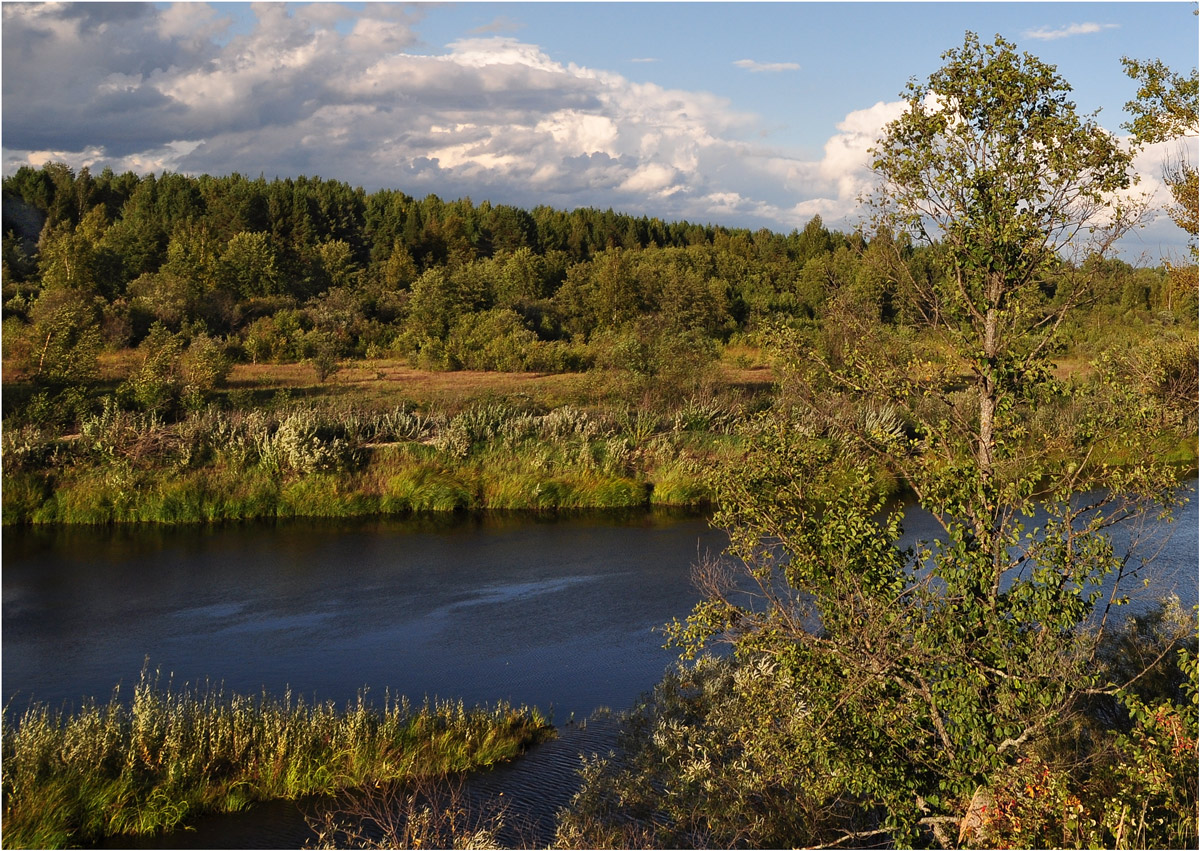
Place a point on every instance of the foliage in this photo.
(174, 371)
(1165, 373)
(62, 342)
(703, 763)
(917, 677)
(1140, 790)
(1166, 103)
(1167, 106)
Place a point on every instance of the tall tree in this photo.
(991, 159)
(919, 675)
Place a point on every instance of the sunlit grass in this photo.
(297, 460)
(169, 755)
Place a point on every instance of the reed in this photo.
(169, 754)
(425, 487)
(326, 495)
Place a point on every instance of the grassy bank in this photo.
(296, 459)
(380, 439)
(170, 755)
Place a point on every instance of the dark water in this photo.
(560, 614)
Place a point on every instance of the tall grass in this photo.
(298, 461)
(170, 754)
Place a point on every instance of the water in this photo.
(561, 614)
(1162, 556)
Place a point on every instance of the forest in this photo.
(196, 349)
(150, 315)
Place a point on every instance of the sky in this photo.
(737, 114)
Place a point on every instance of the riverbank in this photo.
(170, 755)
(217, 467)
(383, 439)
(292, 455)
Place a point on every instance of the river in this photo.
(557, 613)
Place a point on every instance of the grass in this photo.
(169, 755)
(300, 459)
(381, 438)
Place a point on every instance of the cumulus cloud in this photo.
(769, 67)
(489, 116)
(354, 95)
(302, 93)
(1048, 34)
(1159, 236)
(847, 159)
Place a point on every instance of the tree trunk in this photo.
(988, 395)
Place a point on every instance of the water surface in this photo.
(562, 614)
(555, 614)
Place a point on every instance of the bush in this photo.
(689, 777)
(492, 340)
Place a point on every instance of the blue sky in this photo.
(745, 114)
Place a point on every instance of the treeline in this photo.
(311, 269)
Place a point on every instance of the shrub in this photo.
(305, 443)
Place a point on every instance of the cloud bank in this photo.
(326, 90)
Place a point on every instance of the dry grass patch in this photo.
(1066, 368)
(389, 382)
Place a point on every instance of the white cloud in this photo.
(492, 117)
(1160, 236)
(196, 22)
(147, 89)
(1047, 34)
(653, 179)
(580, 132)
(847, 162)
(771, 67)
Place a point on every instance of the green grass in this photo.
(295, 459)
(424, 488)
(169, 755)
(300, 461)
